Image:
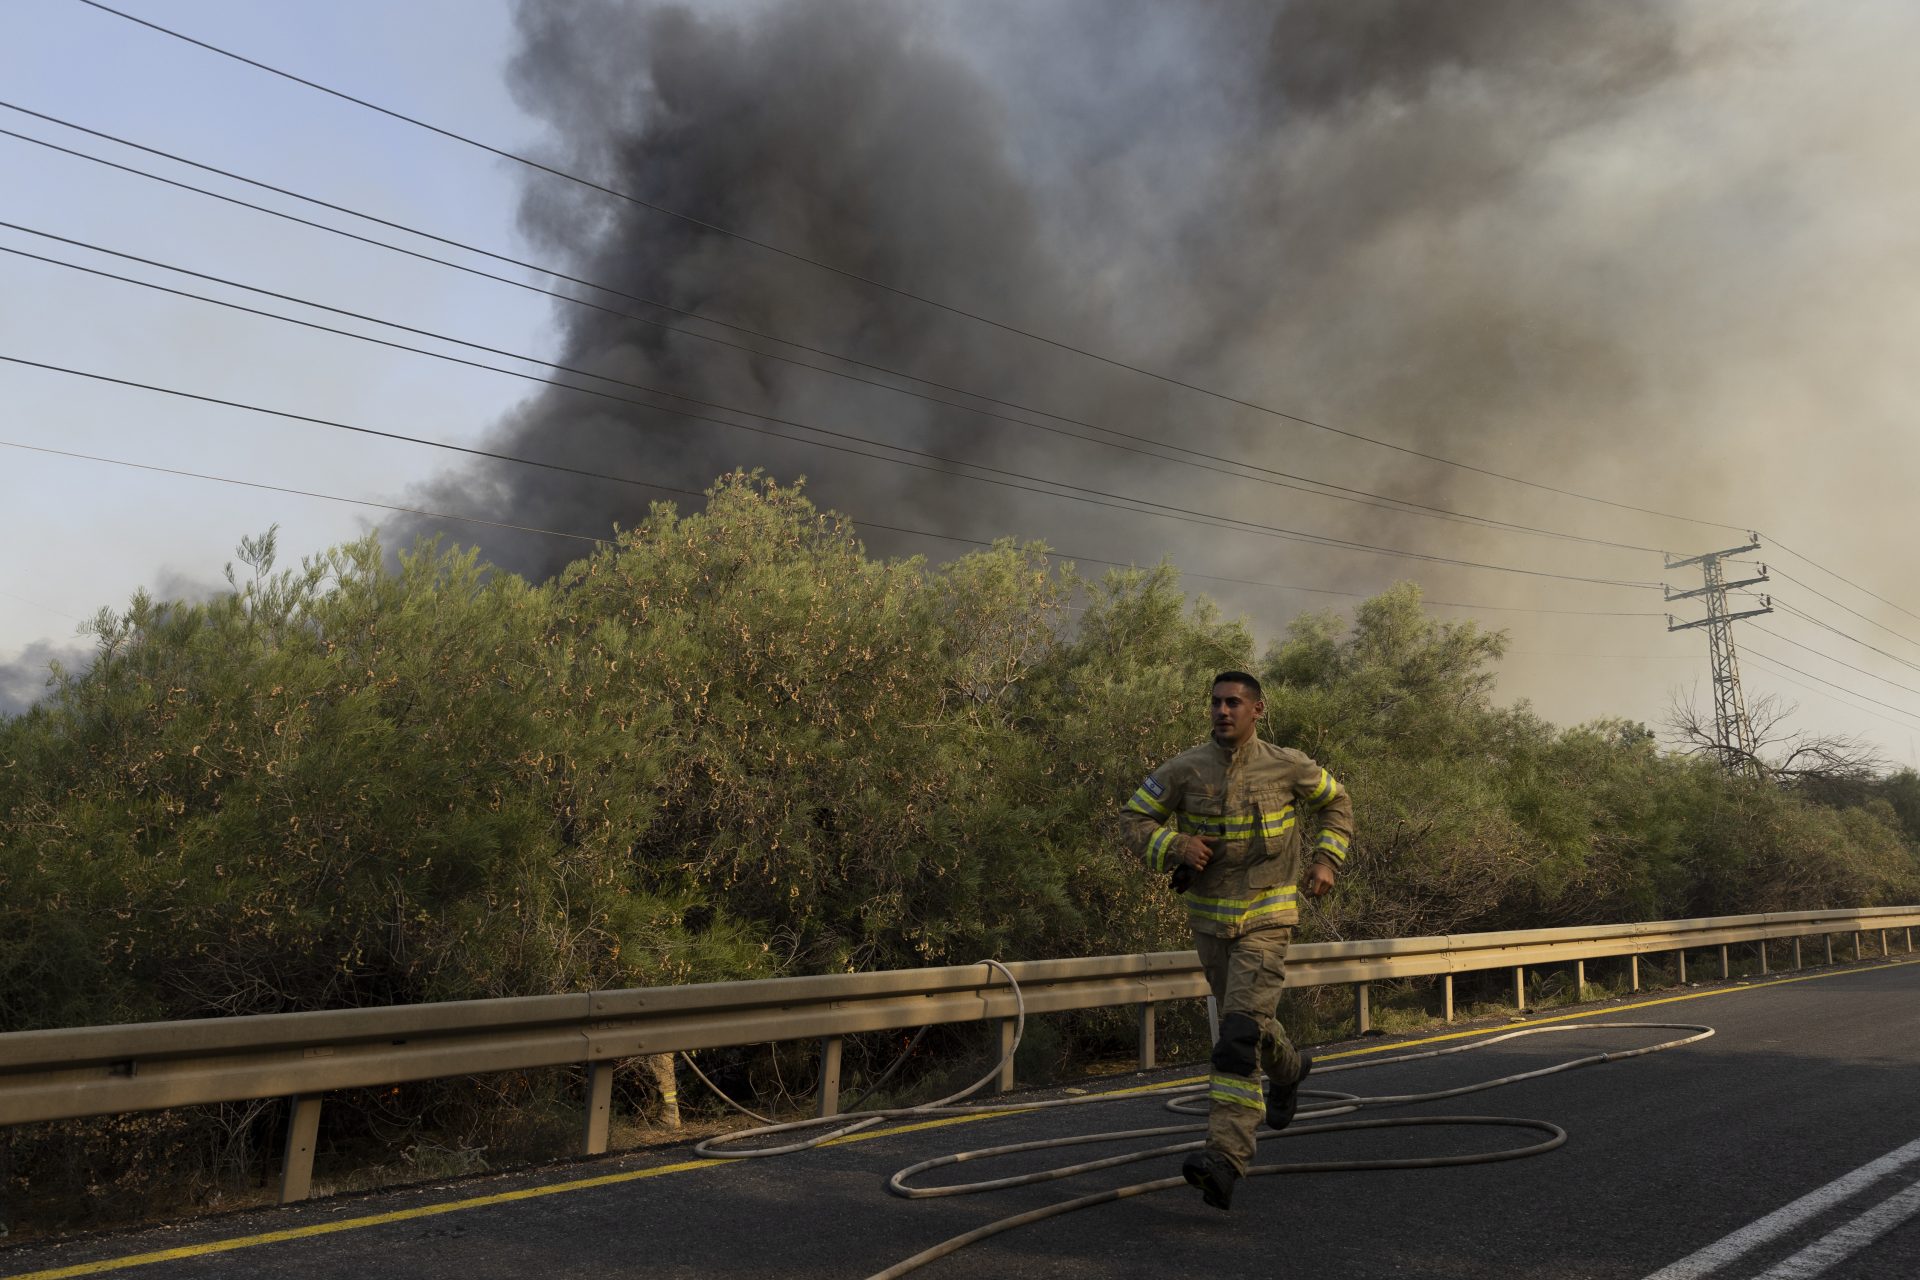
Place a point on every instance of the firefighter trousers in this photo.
(1246, 974)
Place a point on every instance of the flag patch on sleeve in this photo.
(1153, 788)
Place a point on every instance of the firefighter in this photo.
(1228, 819)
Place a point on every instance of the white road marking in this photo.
(1786, 1218)
(1848, 1239)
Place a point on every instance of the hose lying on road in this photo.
(1190, 1100)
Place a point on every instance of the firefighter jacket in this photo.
(1258, 800)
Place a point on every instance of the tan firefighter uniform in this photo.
(1259, 801)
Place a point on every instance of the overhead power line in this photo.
(1765, 631)
(674, 489)
(1836, 574)
(302, 493)
(1775, 662)
(1003, 477)
(1210, 521)
(1144, 446)
(1824, 625)
(1425, 601)
(1517, 609)
(1837, 700)
(881, 285)
(1855, 612)
(470, 450)
(1608, 657)
(58, 613)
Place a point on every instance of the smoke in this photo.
(1631, 247)
(832, 128)
(28, 677)
(1217, 193)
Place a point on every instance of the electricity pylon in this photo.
(1733, 732)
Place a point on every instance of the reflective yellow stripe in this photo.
(1334, 843)
(1248, 903)
(1235, 1089)
(1240, 910)
(1325, 793)
(1264, 910)
(1278, 824)
(1242, 827)
(1142, 801)
(1271, 824)
(1245, 1085)
(1159, 849)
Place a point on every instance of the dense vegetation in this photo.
(735, 745)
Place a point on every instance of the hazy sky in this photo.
(1660, 253)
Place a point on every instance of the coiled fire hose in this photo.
(1185, 1099)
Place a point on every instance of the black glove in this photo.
(1182, 878)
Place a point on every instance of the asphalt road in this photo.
(1778, 1120)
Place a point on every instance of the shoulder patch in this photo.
(1153, 788)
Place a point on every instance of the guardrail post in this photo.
(593, 1142)
(1856, 946)
(1446, 997)
(1828, 939)
(1680, 958)
(1633, 971)
(1519, 987)
(303, 1133)
(1362, 1010)
(599, 1108)
(1884, 953)
(1147, 1046)
(1796, 953)
(1761, 947)
(1909, 941)
(1006, 1056)
(829, 1104)
(1726, 963)
(1579, 979)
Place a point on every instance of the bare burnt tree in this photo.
(1833, 765)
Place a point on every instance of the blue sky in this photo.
(87, 535)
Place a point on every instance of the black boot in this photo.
(1284, 1099)
(1214, 1175)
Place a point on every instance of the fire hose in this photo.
(1183, 1099)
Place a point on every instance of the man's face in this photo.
(1236, 713)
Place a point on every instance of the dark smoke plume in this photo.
(1195, 191)
(1570, 241)
(830, 128)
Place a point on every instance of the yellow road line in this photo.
(687, 1166)
(351, 1224)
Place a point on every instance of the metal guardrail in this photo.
(92, 1071)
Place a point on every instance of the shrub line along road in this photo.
(1787, 1146)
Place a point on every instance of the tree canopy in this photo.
(734, 744)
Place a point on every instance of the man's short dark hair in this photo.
(1240, 677)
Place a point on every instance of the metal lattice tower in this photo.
(1733, 732)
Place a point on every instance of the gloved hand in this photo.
(1195, 854)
